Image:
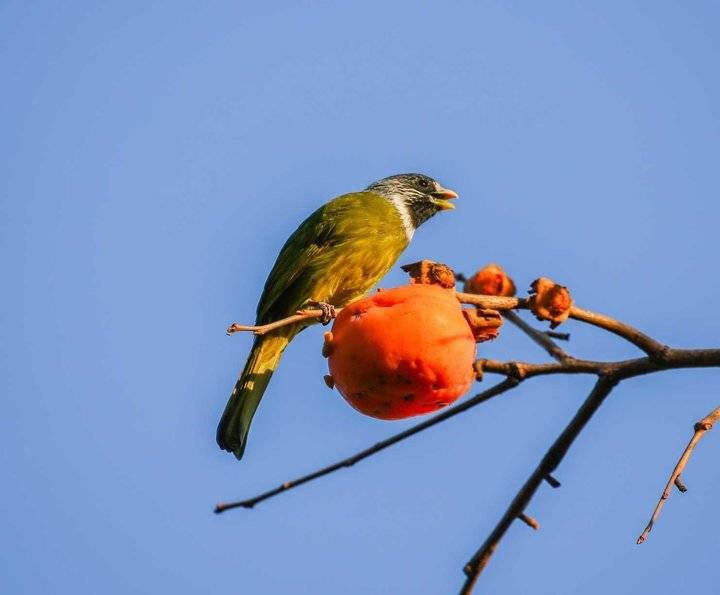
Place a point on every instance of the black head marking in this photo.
(421, 195)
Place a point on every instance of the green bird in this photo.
(335, 257)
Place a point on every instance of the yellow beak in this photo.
(441, 198)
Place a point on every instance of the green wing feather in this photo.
(298, 254)
(336, 255)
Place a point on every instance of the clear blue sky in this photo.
(153, 159)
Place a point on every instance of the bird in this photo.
(333, 258)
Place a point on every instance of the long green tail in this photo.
(264, 358)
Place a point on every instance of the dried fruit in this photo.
(428, 272)
(491, 280)
(402, 352)
(484, 323)
(550, 301)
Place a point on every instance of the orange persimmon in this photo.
(401, 352)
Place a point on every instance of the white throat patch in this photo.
(404, 212)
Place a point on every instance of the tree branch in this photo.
(701, 427)
(647, 344)
(262, 329)
(547, 465)
(541, 338)
(558, 336)
(653, 348)
(673, 359)
(498, 389)
(515, 372)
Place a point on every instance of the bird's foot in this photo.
(328, 310)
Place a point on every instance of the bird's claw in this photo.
(328, 311)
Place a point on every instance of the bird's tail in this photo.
(261, 363)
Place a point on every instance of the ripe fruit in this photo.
(401, 352)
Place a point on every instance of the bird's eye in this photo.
(423, 183)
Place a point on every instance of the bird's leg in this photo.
(328, 310)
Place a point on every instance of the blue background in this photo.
(155, 156)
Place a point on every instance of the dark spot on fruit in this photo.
(440, 404)
(359, 395)
(408, 398)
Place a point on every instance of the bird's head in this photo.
(418, 195)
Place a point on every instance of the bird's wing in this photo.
(290, 281)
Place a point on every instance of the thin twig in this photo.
(266, 328)
(673, 359)
(558, 336)
(493, 302)
(539, 337)
(701, 427)
(524, 370)
(554, 483)
(498, 389)
(547, 465)
(647, 344)
(682, 488)
(529, 521)
(653, 348)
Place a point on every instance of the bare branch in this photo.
(522, 370)
(539, 337)
(515, 372)
(547, 465)
(493, 302)
(554, 483)
(682, 488)
(498, 389)
(558, 336)
(701, 427)
(609, 374)
(653, 348)
(266, 328)
(647, 344)
(672, 359)
(529, 521)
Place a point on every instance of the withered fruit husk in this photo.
(491, 280)
(427, 272)
(550, 301)
(484, 324)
